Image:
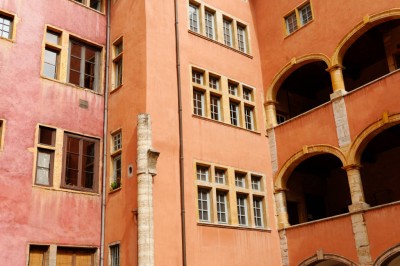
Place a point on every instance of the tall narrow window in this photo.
(84, 65)
(209, 22)
(198, 103)
(204, 205)
(255, 182)
(234, 112)
(248, 115)
(114, 255)
(222, 210)
(305, 14)
(51, 54)
(117, 61)
(6, 26)
(291, 23)
(45, 156)
(258, 213)
(247, 94)
(202, 173)
(242, 44)
(215, 106)
(220, 176)
(1, 134)
(116, 157)
(81, 157)
(227, 32)
(242, 209)
(194, 18)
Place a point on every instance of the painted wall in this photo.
(34, 214)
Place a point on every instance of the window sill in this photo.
(114, 190)
(236, 227)
(221, 44)
(83, 5)
(7, 39)
(116, 89)
(51, 188)
(71, 85)
(225, 124)
(302, 27)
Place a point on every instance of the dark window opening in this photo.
(306, 88)
(328, 263)
(317, 189)
(392, 260)
(372, 55)
(380, 170)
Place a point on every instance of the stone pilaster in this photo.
(356, 188)
(146, 169)
(284, 247)
(281, 209)
(361, 239)
(272, 149)
(340, 115)
(52, 255)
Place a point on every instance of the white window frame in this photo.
(241, 35)
(117, 141)
(213, 82)
(233, 89)
(197, 77)
(291, 23)
(227, 28)
(305, 13)
(202, 173)
(258, 209)
(203, 196)
(241, 200)
(215, 107)
(234, 113)
(249, 117)
(256, 182)
(115, 261)
(220, 175)
(240, 180)
(198, 102)
(222, 208)
(247, 94)
(209, 22)
(194, 18)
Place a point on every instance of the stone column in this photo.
(336, 73)
(356, 188)
(146, 169)
(270, 113)
(281, 209)
(361, 239)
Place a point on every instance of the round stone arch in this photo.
(368, 22)
(289, 68)
(361, 141)
(387, 255)
(307, 152)
(326, 257)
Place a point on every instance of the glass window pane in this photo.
(52, 37)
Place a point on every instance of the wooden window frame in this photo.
(11, 18)
(95, 167)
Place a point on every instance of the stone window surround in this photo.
(296, 13)
(232, 191)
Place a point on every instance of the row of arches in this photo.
(370, 51)
(321, 181)
(390, 257)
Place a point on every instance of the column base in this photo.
(359, 206)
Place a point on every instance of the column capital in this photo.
(270, 102)
(335, 67)
(352, 167)
(279, 190)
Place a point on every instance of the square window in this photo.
(240, 180)
(233, 88)
(215, 106)
(117, 62)
(242, 209)
(214, 82)
(291, 23)
(202, 173)
(81, 163)
(198, 103)
(305, 14)
(209, 23)
(194, 18)
(94, 4)
(249, 119)
(256, 182)
(84, 65)
(197, 77)
(6, 26)
(242, 42)
(114, 255)
(220, 176)
(203, 198)
(227, 27)
(222, 209)
(280, 118)
(47, 135)
(234, 113)
(117, 141)
(258, 212)
(247, 94)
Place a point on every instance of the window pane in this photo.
(5, 26)
(95, 4)
(46, 135)
(194, 18)
(52, 37)
(43, 168)
(50, 64)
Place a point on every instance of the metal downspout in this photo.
(181, 157)
(105, 129)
